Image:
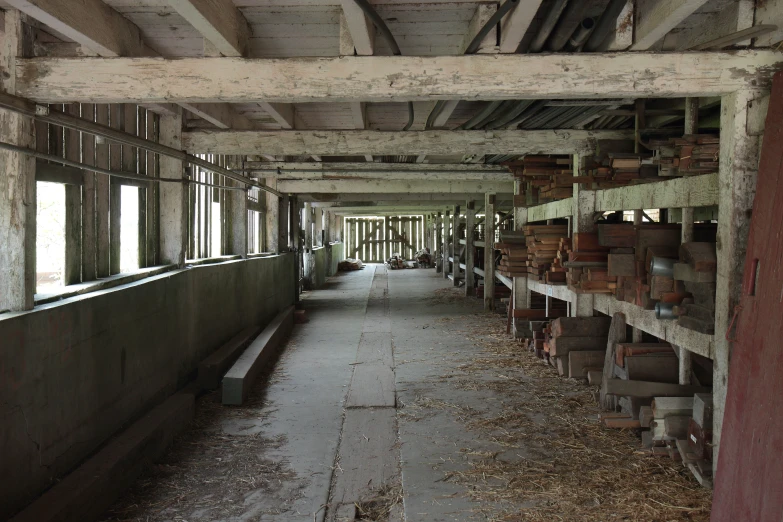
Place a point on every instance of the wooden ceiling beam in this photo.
(390, 143)
(221, 115)
(391, 186)
(219, 21)
(282, 113)
(395, 78)
(516, 23)
(360, 29)
(655, 18)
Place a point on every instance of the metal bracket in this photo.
(42, 110)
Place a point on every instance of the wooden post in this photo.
(308, 245)
(582, 221)
(115, 155)
(283, 232)
(102, 189)
(237, 219)
(272, 218)
(470, 262)
(318, 217)
(520, 290)
(446, 230)
(17, 180)
(173, 196)
(88, 239)
(739, 158)
(489, 251)
(73, 208)
(437, 253)
(455, 270)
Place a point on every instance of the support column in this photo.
(489, 251)
(470, 262)
(582, 221)
(296, 215)
(272, 218)
(520, 290)
(739, 158)
(438, 242)
(173, 196)
(318, 219)
(237, 220)
(283, 232)
(17, 180)
(446, 225)
(307, 250)
(455, 270)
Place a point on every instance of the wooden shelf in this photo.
(505, 280)
(637, 317)
(691, 191)
(552, 210)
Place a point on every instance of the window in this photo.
(129, 229)
(256, 229)
(50, 236)
(207, 213)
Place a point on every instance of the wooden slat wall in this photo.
(375, 239)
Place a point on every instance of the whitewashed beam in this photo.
(218, 21)
(394, 78)
(442, 175)
(361, 30)
(90, 23)
(516, 23)
(221, 115)
(380, 167)
(391, 187)
(282, 113)
(359, 142)
(655, 18)
(414, 198)
(692, 191)
(552, 210)
(359, 114)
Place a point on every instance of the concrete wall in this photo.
(73, 373)
(326, 260)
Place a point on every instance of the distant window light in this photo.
(129, 229)
(50, 236)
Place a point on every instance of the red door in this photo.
(749, 482)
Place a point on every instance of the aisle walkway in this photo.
(402, 400)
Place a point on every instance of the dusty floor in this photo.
(402, 400)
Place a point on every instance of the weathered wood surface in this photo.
(379, 143)
(386, 186)
(375, 347)
(372, 386)
(656, 19)
(617, 334)
(692, 191)
(581, 361)
(657, 368)
(553, 210)
(367, 457)
(394, 78)
(212, 369)
(650, 389)
(218, 21)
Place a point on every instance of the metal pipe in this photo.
(566, 26)
(511, 114)
(49, 115)
(492, 22)
(376, 19)
(661, 266)
(107, 172)
(605, 26)
(586, 27)
(665, 310)
(486, 111)
(547, 26)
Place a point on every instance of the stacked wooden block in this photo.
(617, 170)
(587, 266)
(513, 249)
(576, 346)
(543, 244)
(690, 155)
(548, 178)
(696, 272)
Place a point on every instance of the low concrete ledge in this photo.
(87, 492)
(243, 373)
(212, 369)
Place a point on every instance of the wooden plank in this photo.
(368, 458)
(552, 210)
(562, 346)
(650, 389)
(691, 191)
(517, 76)
(663, 407)
(516, 23)
(653, 367)
(239, 379)
(616, 334)
(656, 19)
(73, 208)
(218, 21)
(379, 143)
(372, 386)
(362, 32)
(489, 251)
(212, 369)
(581, 327)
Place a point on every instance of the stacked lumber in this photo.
(543, 244)
(587, 266)
(620, 169)
(576, 346)
(545, 178)
(513, 250)
(690, 155)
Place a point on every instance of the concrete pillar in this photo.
(455, 246)
(272, 218)
(17, 181)
(489, 251)
(307, 250)
(470, 261)
(582, 221)
(445, 243)
(739, 159)
(173, 196)
(236, 228)
(283, 232)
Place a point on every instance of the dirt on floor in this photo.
(555, 462)
(207, 473)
